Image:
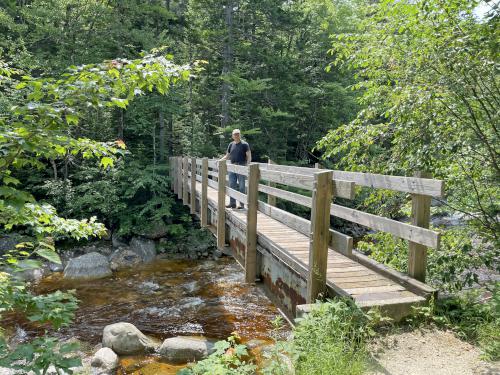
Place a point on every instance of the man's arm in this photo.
(224, 157)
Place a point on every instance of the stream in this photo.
(164, 299)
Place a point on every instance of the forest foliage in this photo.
(96, 95)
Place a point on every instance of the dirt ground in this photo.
(428, 352)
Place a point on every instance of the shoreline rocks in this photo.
(88, 266)
(184, 349)
(125, 339)
(104, 361)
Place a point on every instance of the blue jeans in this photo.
(236, 182)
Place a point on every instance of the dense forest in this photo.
(96, 95)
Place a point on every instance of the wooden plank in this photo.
(374, 289)
(409, 283)
(320, 236)
(297, 180)
(251, 232)
(414, 185)
(204, 195)
(213, 184)
(185, 196)
(221, 202)
(408, 232)
(179, 178)
(236, 195)
(420, 216)
(173, 161)
(271, 199)
(193, 186)
(239, 169)
(212, 163)
(338, 241)
(213, 174)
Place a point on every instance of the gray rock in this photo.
(9, 241)
(123, 258)
(158, 231)
(26, 272)
(126, 339)
(88, 266)
(183, 349)
(105, 360)
(54, 267)
(117, 241)
(144, 248)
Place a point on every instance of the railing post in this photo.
(204, 196)
(193, 186)
(185, 182)
(221, 205)
(179, 177)
(320, 235)
(420, 216)
(271, 199)
(251, 235)
(173, 173)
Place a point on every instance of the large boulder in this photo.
(144, 248)
(88, 266)
(104, 360)
(126, 339)
(183, 349)
(123, 257)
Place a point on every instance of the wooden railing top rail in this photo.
(415, 185)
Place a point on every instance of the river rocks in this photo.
(183, 349)
(144, 248)
(123, 258)
(118, 241)
(158, 231)
(126, 339)
(88, 266)
(104, 361)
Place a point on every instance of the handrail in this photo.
(415, 185)
(342, 185)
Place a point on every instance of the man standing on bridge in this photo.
(238, 152)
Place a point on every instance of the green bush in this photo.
(450, 268)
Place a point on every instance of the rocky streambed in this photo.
(204, 299)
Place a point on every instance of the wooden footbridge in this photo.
(300, 260)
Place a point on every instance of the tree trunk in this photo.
(227, 63)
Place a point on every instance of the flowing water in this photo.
(164, 299)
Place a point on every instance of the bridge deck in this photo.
(345, 276)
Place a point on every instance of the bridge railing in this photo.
(325, 185)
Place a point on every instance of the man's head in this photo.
(236, 135)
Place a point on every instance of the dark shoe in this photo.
(230, 206)
(241, 207)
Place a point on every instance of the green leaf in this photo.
(106, 161)
(122, 103)
(50, 255)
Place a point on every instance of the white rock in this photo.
(126, 339)
(183, 349)
(105, 359)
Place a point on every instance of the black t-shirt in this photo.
(238, 152)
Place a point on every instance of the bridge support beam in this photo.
(320, 235)
(193, 186)
(221, 201)
(251, 235)
(420, 216)
(204, 196)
